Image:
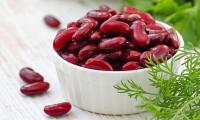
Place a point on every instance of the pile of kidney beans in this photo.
(104, 39)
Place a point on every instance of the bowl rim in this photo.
(119, 72)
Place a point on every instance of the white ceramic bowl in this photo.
(92, 90)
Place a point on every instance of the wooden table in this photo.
(26, 41)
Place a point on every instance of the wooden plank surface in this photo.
(26, 41)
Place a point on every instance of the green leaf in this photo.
(165, 7)
(144, 5)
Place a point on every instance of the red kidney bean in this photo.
(173, 40)
(100, 56)
(154, 27)
(130, 10)
(86, 20)
(114, 55)
(35, 88)
(99, 15)
(172, 51)
(87, 52)
(98, 64)
(148, 19)
(112, 44)
(145, 57)
(114, 18)
(51, 21)
(131, 55)
(114, 28)
(160, 52)
(95, 37)
(70, 57)
(130, 45)
(108, 9)
(157, 38)
(82, 32)
(58, 109)
(30, 76)
(132, 65)
(129, 18)
(75, 46)
(139, 35)
(59, 31)
(63, 38)
(72, 24)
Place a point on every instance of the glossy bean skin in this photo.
(35, 88)
(148, 19)
(129, 18)
(108, 9)
(86, 20)
(63, 38)
(131, 55)
(113, 27)
(87, 52)
(98, 64)
(72, 24)
(138, 34)
(160, 52)
(52, 21)
(95, 37)
(116, 55)
(112, 44)
(132, 65)
(82, 32)
(99, 15)
(30, 76)
(145, 56)
(57, 109)
(70, 57)
(75, 46)
(131, 10)
(158, 38)
(173, 40)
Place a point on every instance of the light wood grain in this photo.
(26, 41)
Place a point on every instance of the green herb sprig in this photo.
(179, 94)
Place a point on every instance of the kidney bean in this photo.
(160, 52)
(58, 109)
(87, 52)
(157, 38)
(148, 19)
(72, 24)
(30, 76)
(99, 15)
(129, 18)
(131, 55)
(100, 56)
(139, 36)
(116, 65)
(114, 18)
(130, 10)
(132, 65)
(114, 28)
(35, 88)
(144, 58)
(108, 9)
(95, 37)
(173, 40)
(82, 32)
(154, 27)
(98, 64)
(52, 21)
(112, 44)
(70, 57)
(63, 38)
(114, 55)
(75, 46)
(85, 20)
(130, 45)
